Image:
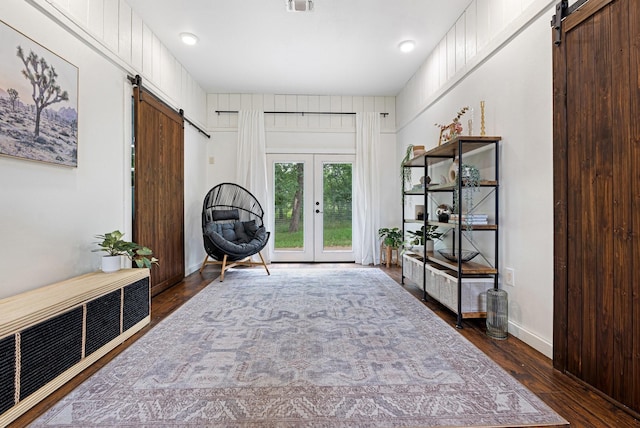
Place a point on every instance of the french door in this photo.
(311, 217)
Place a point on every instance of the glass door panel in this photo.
(334, 224)
(312, 210)
(291, 187)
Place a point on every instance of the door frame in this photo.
(313, 250)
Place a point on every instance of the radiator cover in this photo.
(49, 335)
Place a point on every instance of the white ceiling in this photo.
(343, 47)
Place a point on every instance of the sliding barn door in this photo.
(158, 201)
(597, 198)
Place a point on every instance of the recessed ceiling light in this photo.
(188, 39)
(407, 46)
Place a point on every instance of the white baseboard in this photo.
(191, 269)
(531, 339)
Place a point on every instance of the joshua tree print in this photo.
(42, 77)
(13, 97)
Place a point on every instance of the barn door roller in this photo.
(562, 11)
(556, 21)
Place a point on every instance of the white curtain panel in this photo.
(251, 163)
(367, 189)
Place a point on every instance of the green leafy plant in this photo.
(470, 185)
(417, 237)
(391, 237)
(113, 244)
(405, 173)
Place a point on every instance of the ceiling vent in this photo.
(299, 5)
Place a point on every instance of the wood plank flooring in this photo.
(578, 404)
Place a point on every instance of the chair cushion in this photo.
(238, 233)
(241, 235)
(212, 226)
(250, 227)
(225, 215)
(239, 249)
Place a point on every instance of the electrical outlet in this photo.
(509, 277)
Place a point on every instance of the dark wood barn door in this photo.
(597, 198)
(158, 201)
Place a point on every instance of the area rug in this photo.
(301, 348)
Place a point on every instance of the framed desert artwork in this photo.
(38, 101)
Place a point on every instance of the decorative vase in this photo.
(111, 263)
(443, 217)
(453, 171)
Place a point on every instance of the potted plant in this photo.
(116, 247)
(391, 239)
(405, 173)
(427, 235)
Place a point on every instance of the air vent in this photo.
(299, 5)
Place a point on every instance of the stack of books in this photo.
(470, 218)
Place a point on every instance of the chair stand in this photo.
(244, 262)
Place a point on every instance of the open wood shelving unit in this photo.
(461, 271)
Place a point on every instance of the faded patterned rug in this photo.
(302, 347)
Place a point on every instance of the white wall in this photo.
(333, 134)
(195, 188)
(49, 214)
(511, 71)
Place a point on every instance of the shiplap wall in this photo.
(328, 103)
(482, 28)
(116, 28)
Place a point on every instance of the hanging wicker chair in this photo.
(232, 227)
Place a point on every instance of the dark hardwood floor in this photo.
(581, 406)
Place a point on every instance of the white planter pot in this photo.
(111, 263)
(429, 246)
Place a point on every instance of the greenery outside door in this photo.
(313, 205)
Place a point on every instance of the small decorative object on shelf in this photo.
(482, 129)
(418, 150)
(453, 171)
(423, 239)
(452, 130)
(428, 233)
(452, 254)
(444, 212)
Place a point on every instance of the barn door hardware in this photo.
(562, 11)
